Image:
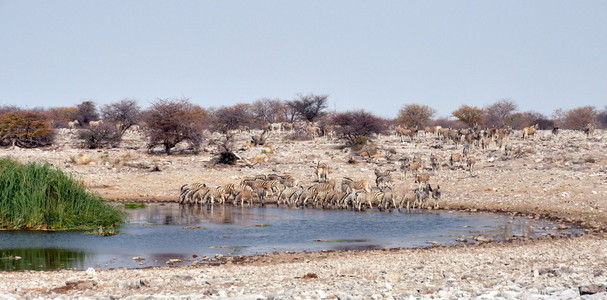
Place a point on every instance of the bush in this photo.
(123, 114)
(40, 196)
(358, 125)
(27, 129)
(359, 143)
(105, 135)
(414, 115)
(172, 121)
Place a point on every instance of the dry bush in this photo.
(357, 126)
(577, 118)
(124, 114)
(590, 160)
(172, 121)
(470, 115)
(103, 136)
(498, 112)
(233, 117)
(86, 112)
(25, 128)
(60, 116)
(81, 159)
(414, 115)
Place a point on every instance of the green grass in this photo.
(40, 196)
(134, 205)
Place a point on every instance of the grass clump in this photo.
(40, 196)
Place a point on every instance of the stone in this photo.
(592, 289)
(173, 261)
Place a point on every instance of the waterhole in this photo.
(168, 233)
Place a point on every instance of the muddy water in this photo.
(160, 232)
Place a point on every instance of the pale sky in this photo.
(371, 55)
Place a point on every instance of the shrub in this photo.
(27, 129)
(414, 115)
(470, 115)
(86, 112)
(40, 196)
(105, 135)
(359, 143)
(172, 121)
(227, 158)
(123, 114)
(358, 125)
(577, 118)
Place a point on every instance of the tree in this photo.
(172, 121)
(309, 107)
(104, 135)
(123, 114)
(601, 117)
(497, 113)
(414, 115)
(357, 124)
(25, 128)
(470, 115)
(87, 111)
(232, 118)
(269, 110)
(60, 116)
(579, 117)
(521, 120)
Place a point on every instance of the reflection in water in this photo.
(162, 232)
(41, 259)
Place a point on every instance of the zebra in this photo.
(436, 195)
(187, 190)
(285, 195)
(349, 185)
(422, 194)
(382, 179)
(588, 130)
(435, 162)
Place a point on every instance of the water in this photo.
(160, 232)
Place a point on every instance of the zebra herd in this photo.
(285, 190)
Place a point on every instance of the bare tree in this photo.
(309, 107)
(269, 110)
(415, 115)
(171, 121)
(497, 113)
(123, 114)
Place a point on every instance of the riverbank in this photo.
(559, 177)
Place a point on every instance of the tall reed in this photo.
(40, 196)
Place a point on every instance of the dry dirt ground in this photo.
(563, 177)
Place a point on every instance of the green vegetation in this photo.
(134, 205)
(40, 196)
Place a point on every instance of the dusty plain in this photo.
(562, 177)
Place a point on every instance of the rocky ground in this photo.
(560, 177)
